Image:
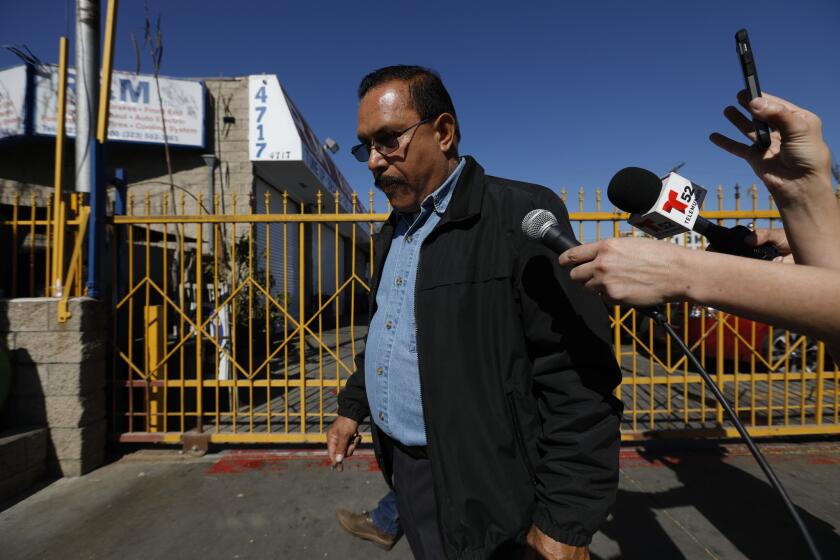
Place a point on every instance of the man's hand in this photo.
(797, 156)
(541, 546)
(342, 439)
(775, 237)
(634, 271)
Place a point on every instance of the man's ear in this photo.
(445, 133)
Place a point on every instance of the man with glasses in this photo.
(487, 373)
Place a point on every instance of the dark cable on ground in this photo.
(657, 316)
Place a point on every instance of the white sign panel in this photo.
(12, 102)
(278, 132)
(135, 108)
(272, 134)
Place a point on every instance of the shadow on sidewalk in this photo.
(742, 507)
(639, 534)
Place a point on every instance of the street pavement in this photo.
(706, 502)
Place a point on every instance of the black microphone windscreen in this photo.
(634, 190)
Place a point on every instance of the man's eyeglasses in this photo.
(384, 143)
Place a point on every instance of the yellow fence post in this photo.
(721, 319)
(154, 353)
(58, 198)
(107, 68)
(820, 376)
(15, 210)
(302, 320)
(199, 319)
(74, 271)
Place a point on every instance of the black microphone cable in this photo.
(542, 226)
(659, 319)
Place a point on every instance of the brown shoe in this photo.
(360, 525)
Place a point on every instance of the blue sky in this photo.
(558, 93)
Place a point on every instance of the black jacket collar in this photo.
(466, 200)
(468, 193)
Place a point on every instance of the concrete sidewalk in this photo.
(704, 503)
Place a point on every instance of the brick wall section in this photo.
(59, 378)
(23, 455)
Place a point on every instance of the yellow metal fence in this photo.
(240, 326)
(778, 382)
(41, 244)
(243, 327)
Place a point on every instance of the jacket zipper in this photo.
(417, 347)
(520, 440)
(435, 489)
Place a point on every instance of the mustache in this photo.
(385, 181)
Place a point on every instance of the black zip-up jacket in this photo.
(516, 376)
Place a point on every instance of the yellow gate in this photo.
(239, 327)
(244, 327)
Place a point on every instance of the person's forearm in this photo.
(804, 299)
(812, 224)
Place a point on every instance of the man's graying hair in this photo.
(428, 94)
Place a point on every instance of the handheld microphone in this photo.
(542, 225)
(669, 206)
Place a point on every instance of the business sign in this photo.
(135, 110)
(12, 102)
(278, 132)
(272, 134)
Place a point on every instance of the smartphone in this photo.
(747, 58)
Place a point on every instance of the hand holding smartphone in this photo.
(748, 68)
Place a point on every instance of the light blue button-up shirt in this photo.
(392, 374)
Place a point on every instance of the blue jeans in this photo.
(385, 516)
